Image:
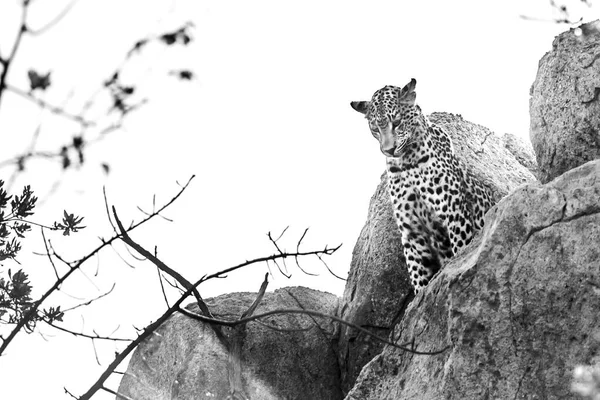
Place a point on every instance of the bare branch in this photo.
(166, 269)
(108, 211)
(176, 307)
(96, 352)
(87, 303)
(313, 314)
(48, 253)
(71, 394)
(174, 284)
(50, 107)
(54, 21)
(286, 330)
(328, 269)
(85, 335)
(281, 234)
(259, 297)
(162, 287)
(119, 395)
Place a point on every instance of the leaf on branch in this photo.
(21, 289)
(137, 47)
(77, 142)
(120, 94)
(183, 74)
(53, 314)
(3, 231)
(38, 81)
(10, 249)
(4, 197)
(105, 168)
(113, 79)
(69, 224)
(23, 206)
(180, 35)
(64, 155)
(169, 38)
(21, 228)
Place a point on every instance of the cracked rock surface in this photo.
(186, 360)
(378, 289)
(564, 104)
(517, 309)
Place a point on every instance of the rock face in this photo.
(522, 151)
(186, 361)
(378, 290)
(516, 310)
(564, 106)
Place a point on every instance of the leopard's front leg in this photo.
(425, 240)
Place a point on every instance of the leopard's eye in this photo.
(396, 123)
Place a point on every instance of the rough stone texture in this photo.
(523, 152)
(564, 106)
(378, 289)
(518, 308)
(486, 155)
(186, 361)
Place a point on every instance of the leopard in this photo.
(438, 204)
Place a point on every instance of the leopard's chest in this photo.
(434, 185)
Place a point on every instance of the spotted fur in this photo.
(438, 205)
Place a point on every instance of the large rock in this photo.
(517, 309)
(378, 290)
(564, 106)
(184, 360)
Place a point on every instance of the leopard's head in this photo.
(392, 115)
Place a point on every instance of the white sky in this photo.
(266, 128)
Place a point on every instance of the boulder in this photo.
(516, 311)
(564, 106)
(185, 360)
(378, 290)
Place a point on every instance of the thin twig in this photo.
(87, 303)
(286, 330)
(85, 335)
(119, 395)
(54, 21)
(48, 253)
(162, 287)
(50, 107)
(329, 269)
(313, 314)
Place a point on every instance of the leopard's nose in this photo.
(389, 152)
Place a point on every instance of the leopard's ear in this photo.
(407, 94)
(361, 106)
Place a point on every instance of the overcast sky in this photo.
(266, 127)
